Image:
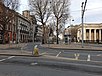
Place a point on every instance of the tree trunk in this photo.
(3, 33)
(3, 37)
(57, 32)
(43, 36)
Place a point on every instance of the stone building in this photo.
(23, 27)
(26, 26)
(92, 32)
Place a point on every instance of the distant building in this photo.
(48, 35)
(26, 26)
(38, 33)
(92, 32)
(20, 27)
(32, 28)
(23, 27)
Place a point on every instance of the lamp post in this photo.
(83, 10)
(70, 33)
(82, 26)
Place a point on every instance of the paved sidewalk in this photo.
(75, 46)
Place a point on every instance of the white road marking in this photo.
(99, 55)
(43, 53)
(7, 58)
(76, 56)
(2, 60)
(33, 63)
(58, 54)
(10, 57)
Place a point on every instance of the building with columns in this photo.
(92, 32)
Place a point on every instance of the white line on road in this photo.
(33, 63)
(43, 53)
(7, 58)
(10, 57)
(2, 60)
(99, 55)
(58, 54)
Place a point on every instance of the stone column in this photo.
(90, 34)
(84, 34)
(95, 35)
(78, 35)
(99, 35)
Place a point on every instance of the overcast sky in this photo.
(93, 13)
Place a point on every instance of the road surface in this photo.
(27, 66)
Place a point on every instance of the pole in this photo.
(33, 39)
(83, 10)
(57, 32)
(82, 26)
(33, 36)
(70, 35)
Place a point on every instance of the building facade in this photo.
(19, 28)
(7, 25)
(38, 33)
(92, 32)
(23, 28)
(26, 26)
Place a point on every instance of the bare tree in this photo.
(12, 4)
(60, 9)
(7, 14)
(74, 30)
(41, 10)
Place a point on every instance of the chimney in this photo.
(26, 14)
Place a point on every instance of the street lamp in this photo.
(83, 10)
(70, 33)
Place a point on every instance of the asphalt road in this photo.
(75, 54)
(80, 55)
(79, 63)
(30, 66)
(21, 70)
